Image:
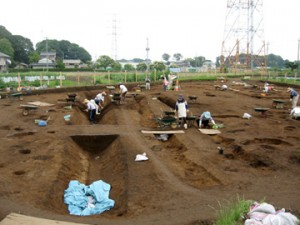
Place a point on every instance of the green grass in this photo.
(92, 78)
(233, 212)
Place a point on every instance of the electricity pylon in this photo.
(243, 45)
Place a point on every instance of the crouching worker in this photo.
(294, 97)
(204, 120)
(123, 91)
(182, 108)
(91, 109)
(99, 99)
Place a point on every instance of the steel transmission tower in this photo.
(243, 45)
(114, 42)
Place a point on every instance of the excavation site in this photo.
(186, 174)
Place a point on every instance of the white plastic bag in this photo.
(141, 157)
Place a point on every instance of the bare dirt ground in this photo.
(185, 178)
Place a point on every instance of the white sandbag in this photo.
(288, 218)
(141, 157)
(264, 208)
(246, 116)
(252, 222)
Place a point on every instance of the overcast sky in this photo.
(191, 27)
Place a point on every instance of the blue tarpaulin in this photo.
(85, 200)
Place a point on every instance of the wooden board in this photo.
(29, 106)
(38, 103)
(162, 131)
(209, 131)
(14, 218)
(110, 87)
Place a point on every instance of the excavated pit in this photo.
(106, 161)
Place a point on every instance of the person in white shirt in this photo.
(123, 90)
(182, 108)
(295, 112)
(147, 83)
(91, 108)
(205, 118)
(99, 99)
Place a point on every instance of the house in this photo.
(48, 55)
(43, 64)
(72, 63)
(21, 66)
(47, 61)
(4, 62)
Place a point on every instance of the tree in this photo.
(141, 66)
(166, 57)
(104, 61)
(291, 65)
(59, 64)
(64, 50)
(6, 47)
(22, 47)
(4, 33)
(275, 61)
(128, 67)
(159, 66)
(117, 66)
(177, 56)
(199, 60)
(34, 57)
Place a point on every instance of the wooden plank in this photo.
(29, 106)
(14, 218)
(38, 103)
(209, 131)
(162, 131)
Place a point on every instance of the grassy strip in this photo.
(233, 213)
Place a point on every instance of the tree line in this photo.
(21, 50)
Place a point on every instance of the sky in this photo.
(122, 29)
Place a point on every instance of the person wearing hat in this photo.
(294, 97)
(99, 99)
(205, 118)
(181, 107)
(91, 108)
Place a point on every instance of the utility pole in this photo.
(147, 60)
(47, 55)
(298, 62)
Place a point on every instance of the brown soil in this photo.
(185, 179)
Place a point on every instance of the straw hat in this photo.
(103, 93)
(85, 101)
(289, 89)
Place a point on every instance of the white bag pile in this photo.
(265, 214)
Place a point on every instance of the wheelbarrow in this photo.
(116, 98)
(263, 111)
(169, 113)
(278, 103)
(18, 95)
(28, 108)
(167, 121)
(193, 98)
